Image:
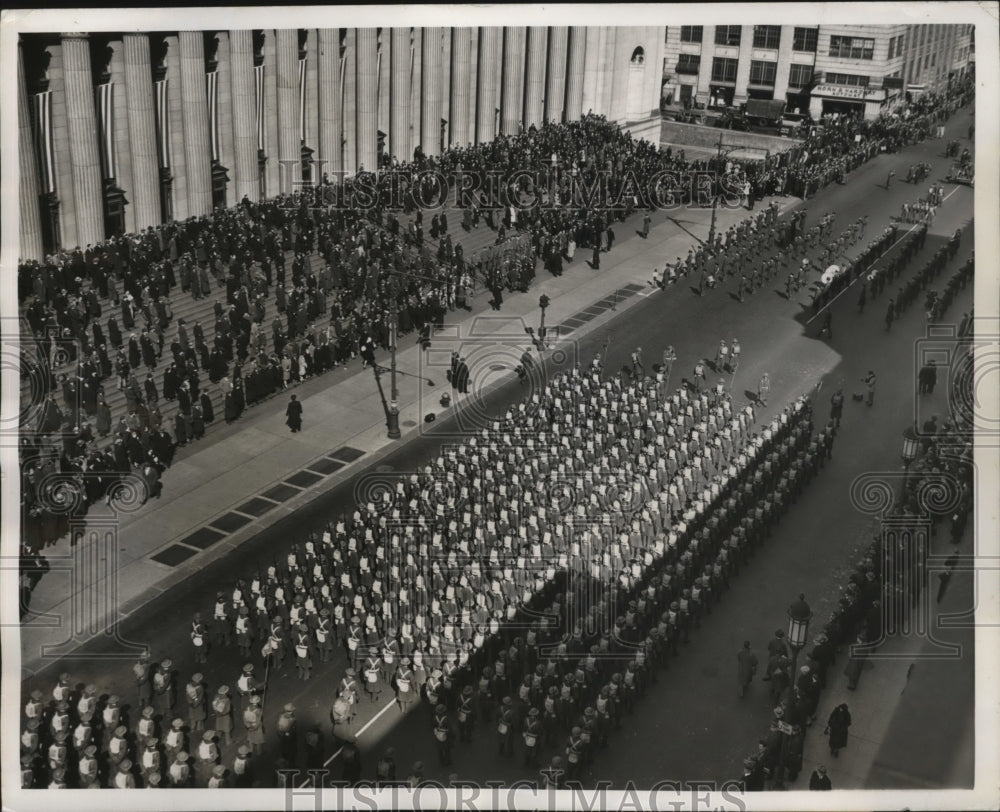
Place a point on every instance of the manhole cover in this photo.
(383, 469)
(498, 367)
(409, 423)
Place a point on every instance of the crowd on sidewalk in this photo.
(842, 143)
(890, 581)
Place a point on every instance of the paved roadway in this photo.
(691, 726)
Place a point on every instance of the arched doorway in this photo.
(636, 76)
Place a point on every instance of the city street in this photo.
(691, 725)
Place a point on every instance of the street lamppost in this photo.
(799, 615)
(392, 409)
(539, 341)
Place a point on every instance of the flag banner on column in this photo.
(302, 100)
(163, 123)
(106, 111)
(258, 76)
(212, 80)
(43, 139)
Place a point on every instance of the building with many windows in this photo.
(118, 132)
(856, 69)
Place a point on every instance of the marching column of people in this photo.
(677, 482)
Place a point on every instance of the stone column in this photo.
(82, 121)
(399, 115)
(145, 197)
(590, 59)
(311, 95)
(28, 185)
(574, 72)
(555, 92)
(328, 79)
(194, 112)
(244, 169)
(367, 99)
(286, 42)
(224, 94)
(431, 110)
(460, 42)
(512, 100)
(491, 44)
(535, 80)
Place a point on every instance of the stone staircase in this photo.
(193, 310)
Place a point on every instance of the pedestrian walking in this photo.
(836, 727)
(746, 668)
(293, 415)
(646, 220)
(890, 314)
(763, 388)
(837, 407)
(869, 382)
(889, 177)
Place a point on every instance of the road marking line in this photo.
(887, 250)
(365, 727)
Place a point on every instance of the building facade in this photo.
(119, 132)
(857, 69)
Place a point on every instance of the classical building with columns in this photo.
(119, 132)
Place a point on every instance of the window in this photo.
(724, 70)
(804, 40)
(762, 73)
(766, 36)
(800, 75)
(896, 46)
(849, 79)
(852, 47)
(691, 33)
(728, 34)
(689, 63)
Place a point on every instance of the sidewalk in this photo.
(220, 493)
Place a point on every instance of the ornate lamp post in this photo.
(799, 615)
